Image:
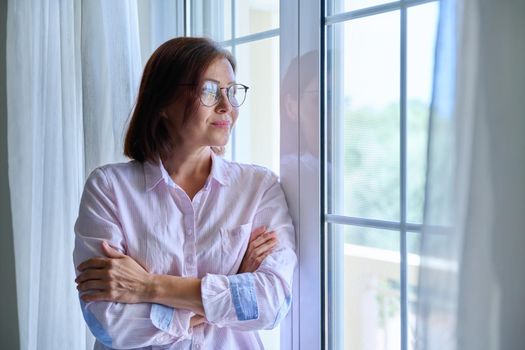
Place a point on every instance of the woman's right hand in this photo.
(260, 246)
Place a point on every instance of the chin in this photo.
(219, 141)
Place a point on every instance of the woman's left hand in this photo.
(261, 244)
(117, 278)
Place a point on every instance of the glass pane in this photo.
(421, 38)
(363, 108)
(257, 130)
(254, 16)
(364, 288)
(413, 248)
(211, 18)
(338, 6)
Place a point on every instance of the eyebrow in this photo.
(218, 82)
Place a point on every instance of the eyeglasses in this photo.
(211, 93)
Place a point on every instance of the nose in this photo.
(224, 105)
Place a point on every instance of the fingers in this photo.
(110, 252)
(263, 256)
(92, 285)
(257, 232)
(91, 274)
(196, 320)
(266, 247)
(94, 263)
(262, 239)
(253, 258)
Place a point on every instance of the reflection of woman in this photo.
(164, 249)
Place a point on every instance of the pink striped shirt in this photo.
(139, 210)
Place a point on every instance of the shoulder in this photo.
(250, 176)
(109, 174)
(121, 169)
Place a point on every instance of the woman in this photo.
(180, 248)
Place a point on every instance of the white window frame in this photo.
(300, 27)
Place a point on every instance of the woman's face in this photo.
(210, 126)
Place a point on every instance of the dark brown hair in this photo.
(174, 73)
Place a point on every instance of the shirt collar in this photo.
(219, 170)
(154, 172)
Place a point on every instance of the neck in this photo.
(188, 163)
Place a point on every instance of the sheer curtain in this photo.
(45, 158)
(111, 69)
(72, 75)
(471, 279)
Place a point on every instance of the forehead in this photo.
(221, 71)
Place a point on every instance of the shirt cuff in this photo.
(242, 289)
(228, 299)
(175, 323)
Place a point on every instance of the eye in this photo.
(209, 88)
(210, 93)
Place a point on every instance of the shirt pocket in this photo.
(233, 246)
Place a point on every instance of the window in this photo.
(378, 77)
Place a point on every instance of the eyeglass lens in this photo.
(211, 94)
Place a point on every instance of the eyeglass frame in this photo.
(221, 88)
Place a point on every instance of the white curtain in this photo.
(73, 69)
(45, 158)
(472, 284)
(111, 69)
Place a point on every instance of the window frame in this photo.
(300, 34)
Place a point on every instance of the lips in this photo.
(221, 123)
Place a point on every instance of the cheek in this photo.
(201, 117)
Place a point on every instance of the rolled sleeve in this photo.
(171, 321)
(124, 326)
(217, 300)
(229, 299)
(242, 289)
(95, 326)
